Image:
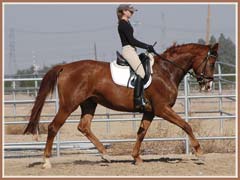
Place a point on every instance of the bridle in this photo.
(200, 78)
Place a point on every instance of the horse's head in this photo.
(203, 66)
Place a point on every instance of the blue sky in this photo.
(47, 34)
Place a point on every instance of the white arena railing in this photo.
(186, 97)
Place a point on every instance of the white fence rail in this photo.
(187, 97)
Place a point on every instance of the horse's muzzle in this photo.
(206, 86)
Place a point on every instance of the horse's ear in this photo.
(174, 43)
(214, 47)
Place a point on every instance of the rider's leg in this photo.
(130, 54)
(138, 96)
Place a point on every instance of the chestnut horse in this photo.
(87, 83)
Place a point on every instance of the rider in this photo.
(129, 44)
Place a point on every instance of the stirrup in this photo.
(143, 106)
(147, 105)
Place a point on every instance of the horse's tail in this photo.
(46, 87)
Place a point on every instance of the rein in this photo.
(200, 77)
(175, 64)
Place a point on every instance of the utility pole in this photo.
(208, 25)
(95, 51)
(34, 64)
(163, 31)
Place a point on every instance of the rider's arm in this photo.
(126, 29)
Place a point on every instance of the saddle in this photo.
(124, 75)
(144, 60)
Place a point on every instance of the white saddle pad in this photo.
(121, 74)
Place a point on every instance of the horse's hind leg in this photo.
(88, 110)
(53, 128)
(145, 123)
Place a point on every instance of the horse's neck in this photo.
(183, 63)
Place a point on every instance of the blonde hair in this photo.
(119, 14)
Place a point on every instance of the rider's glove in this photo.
(150, 49)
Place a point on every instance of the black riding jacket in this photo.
(125, 31)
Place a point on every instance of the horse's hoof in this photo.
(106, 158)
(201, 158)
(46, 166)
(199, 153)
(35, 137)
(138, 161)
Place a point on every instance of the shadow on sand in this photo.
(162, 159)
(104, 163)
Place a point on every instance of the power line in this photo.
(175, 29)
(104, 28)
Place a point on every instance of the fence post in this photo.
(189, 100)
(134, 123)
(186, 109)
(36, 85)
(108, 120)
(220, 98)
(56, 109)
(14, 99)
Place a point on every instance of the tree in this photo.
(7, 84)
(29, 72)
(201, 41)
(25, 74)
(212, 40)
(226, 51)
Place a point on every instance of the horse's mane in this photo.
(172, 49)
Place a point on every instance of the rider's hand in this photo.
(150, 49)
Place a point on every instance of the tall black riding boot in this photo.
(140, 103)
(138, 94)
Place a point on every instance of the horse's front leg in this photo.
(145, 123)
(168, 114)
